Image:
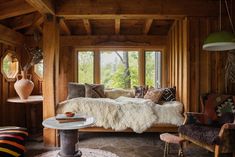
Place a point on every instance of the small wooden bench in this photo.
(170, 138)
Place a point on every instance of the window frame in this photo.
(141, 61)
(18, 68)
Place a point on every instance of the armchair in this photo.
(214, 128)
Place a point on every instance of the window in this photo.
(10, 65)
(153, 68)
(38, 69)
(119, 69)
(85, 66)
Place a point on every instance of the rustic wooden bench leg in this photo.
(166, 149)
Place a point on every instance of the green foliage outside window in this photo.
(85, 66)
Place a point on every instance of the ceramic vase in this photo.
(24, 85)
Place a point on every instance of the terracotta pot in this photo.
(24, 86)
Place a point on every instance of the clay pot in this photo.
(24, 86)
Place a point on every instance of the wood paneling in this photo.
(177, 60)
(67, 70)
(192, 70)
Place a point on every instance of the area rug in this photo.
(86, 152)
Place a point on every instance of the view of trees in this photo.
(119, 69)
(85, 66)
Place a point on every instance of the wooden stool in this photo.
(169, 138)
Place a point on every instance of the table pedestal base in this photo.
(68, 141)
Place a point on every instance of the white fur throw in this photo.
(122, 113)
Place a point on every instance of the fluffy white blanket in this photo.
(122, 113)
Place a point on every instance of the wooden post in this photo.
(97, 66)
(50, 74)
(142, 67)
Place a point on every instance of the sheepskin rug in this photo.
(86, 152)
(123, 112)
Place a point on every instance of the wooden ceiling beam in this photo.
(114, 40)
(64, 27)
(117, 26)
(10, 37)
(147, 26)
(14, 8)
(109, 9)
(43, 6)
(87, 26)
(22, 21)
(36, 25)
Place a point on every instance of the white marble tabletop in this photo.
(31, 99)
(54, 124)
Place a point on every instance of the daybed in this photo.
(112, 113)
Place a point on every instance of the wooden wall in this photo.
(205, 70)
(177, 60)
(9, 113)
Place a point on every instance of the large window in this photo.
(153, 68)
(119, 69)
(85, 66)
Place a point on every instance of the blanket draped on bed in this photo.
(122, 113)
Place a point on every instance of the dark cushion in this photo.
(94, 90)
(202, 133)
(12, 142)
(75, 90)
(169, 94)
(227, 117)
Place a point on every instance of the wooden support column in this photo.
(97, 66)
(50, 74)
(142, 67)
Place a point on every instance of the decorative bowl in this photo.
(69, 114)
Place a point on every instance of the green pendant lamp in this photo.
(222, 40)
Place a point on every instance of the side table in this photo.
(29, 114)
(68, 135)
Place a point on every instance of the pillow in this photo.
(12, 141)
(75, 90)
(217, 104)
(169, 94)
(115, 93)
(140, 91)
(154, 95)
(94, 90)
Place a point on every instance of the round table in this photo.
(68, 134)
(30, 115)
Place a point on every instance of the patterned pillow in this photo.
(154, 95)
(94, 90)
(75, 90)
(216, 105)
(140, 91)
(12, 141)
(169, 94)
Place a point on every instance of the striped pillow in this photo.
(12, 142)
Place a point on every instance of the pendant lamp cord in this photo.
(229, 15)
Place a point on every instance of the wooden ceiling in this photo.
(102, 17)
